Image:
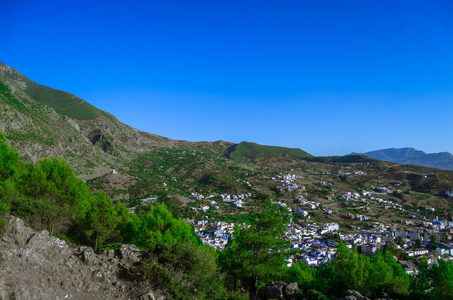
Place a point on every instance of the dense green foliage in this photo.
(100, 219)
(49, 195)
(8, 160)
(257, 252)
(158, 228)
(371, 276)
(186, 269)
(179, 262)
(435, 282)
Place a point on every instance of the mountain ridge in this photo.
(409, 155)
(90, 139)
(41, 121)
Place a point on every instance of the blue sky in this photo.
(329, 77)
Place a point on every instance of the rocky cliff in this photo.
(35, 265)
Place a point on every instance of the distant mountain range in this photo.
(441, 160)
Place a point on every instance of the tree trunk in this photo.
(96, 241)
(235, 282)
(253, 287)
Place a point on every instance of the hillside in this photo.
(257, 153)
(442, 160)
(42, 122)
(343, 194)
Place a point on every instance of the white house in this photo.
(417, 252)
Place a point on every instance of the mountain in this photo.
(204, 180)
(441, 160)
(41, 122)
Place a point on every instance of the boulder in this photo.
(51, 248)
(148, 296)
(88, 255)
(16, 232)
(98, 276)
(353, 295)
(281, 291)
(130, 254)
(291, 290)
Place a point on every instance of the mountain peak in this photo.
(409, 155)
(9, 75)
(64, 103)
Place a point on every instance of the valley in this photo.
(366, 203)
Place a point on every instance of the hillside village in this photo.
(418, 233)
(318, 242)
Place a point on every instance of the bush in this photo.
(50, 196)
(186, 269)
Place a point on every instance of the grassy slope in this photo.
(63, 102)
(253, 151)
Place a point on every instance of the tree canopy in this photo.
(8, 158)
(258, 251)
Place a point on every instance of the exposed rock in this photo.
(88, 255)
(281, 291)
(16, 232)
(130, 254)
(291, 290)
(35, 265)
(354, 295)
(150, 296)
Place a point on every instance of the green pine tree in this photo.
(259, 250)
(101, 218)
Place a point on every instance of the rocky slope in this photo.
(35, 265)
(42, 122)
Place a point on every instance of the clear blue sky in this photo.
(329, 77)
